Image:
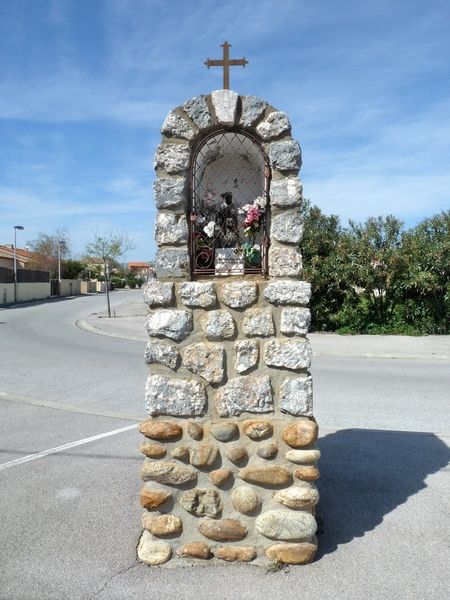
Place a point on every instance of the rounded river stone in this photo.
(293, 554)
(270, 475)
(167, 472)
(224, 432)
(224, 530)
(301, 433)
(245, 499)
(151, 552)
(286, 525)
(236, 553)
(160, 430)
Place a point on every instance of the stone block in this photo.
(176, 397)
(237, 454)
(203, 455)
(288, 292)
(295, 321)
(218, 325)
(274, 476)
(181, 453)
(151, 552)
(236, 553)
(160, 430)
(238, 294)
(170, 192)
(244, 394)
(291, 354)
(274, 125)
(285, 156)
(286, 525)
(162, 525)
(247, 355)
(175, 126)
(301, 433)
(172, 158)
(252, 109)
(198, 110)
(157, 293)
(293, 554)
(206, 360)
(284, 262)
(152, 499)
(194, 293)
(194, 550)
(152, 450)
(286, 192)
(224, 432)
(258, 322)
(268, 451)
(167, 472)
(245, 499)
(223, 530)
(303, 457)
(307, 473)
(202, 502)
(296, 396)
(195, 430)
(161, 353)
(225, 105)
(287, 227)
(220, 476)
(303, 495)
(170, 229)
(166, 322)
(172, 263)
(258, 429)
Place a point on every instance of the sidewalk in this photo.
(129, 319)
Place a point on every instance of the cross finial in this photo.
(226, 63)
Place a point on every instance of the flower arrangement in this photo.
(254, 214)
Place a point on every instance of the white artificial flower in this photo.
(209, 229)
(256, 247)
(261, 202)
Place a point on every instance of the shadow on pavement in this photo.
(366, 473)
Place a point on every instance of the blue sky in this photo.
(86, 84)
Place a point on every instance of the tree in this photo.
(325, 262)
(71, 269)
(426, 285)
(108, 248)
(378, 264)
(48, 249)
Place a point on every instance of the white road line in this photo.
(24, 459)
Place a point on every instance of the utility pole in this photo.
(20, 228)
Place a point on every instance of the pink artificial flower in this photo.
(253, 215)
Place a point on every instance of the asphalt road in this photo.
(69, 465)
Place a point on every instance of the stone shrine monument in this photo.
(229, 445)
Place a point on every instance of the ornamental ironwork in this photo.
(229, 210)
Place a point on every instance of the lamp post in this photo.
(60, 243)
(20, 228)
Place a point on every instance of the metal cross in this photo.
(226, 63)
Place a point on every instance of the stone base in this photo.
(229, 490)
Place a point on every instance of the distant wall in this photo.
(88, 287)
(6, 293)
(69, 287)
(32, 291)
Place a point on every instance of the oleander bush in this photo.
(377, 277)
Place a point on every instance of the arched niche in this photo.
(229, 205)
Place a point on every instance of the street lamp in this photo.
(20, 228)
(63, 244)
